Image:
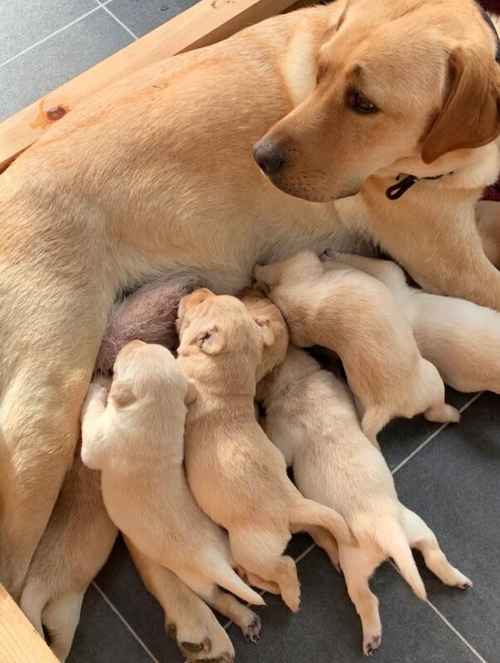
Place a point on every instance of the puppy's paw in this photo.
(462, 582)
(371, 644)
(191, 648)
(253, 630)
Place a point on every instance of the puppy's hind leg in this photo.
(374, 419)
(61, 617)
(261, 554)
(442, 413)
(187, 618)
(229, 606)
(325, 540)
(423, 538)
(358, 568)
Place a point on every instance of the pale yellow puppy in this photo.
(356, 316)
(311, 418)
(136, 439)
(460, 338)
(73, 549)
(237, 476)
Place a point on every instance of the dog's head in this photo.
(397, 80)
(273, 328)
(146, 370)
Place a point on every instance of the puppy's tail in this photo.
(391, 538)
(33, 602)
(307, 512)
(230, 580)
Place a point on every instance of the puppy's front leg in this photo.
(94, 425)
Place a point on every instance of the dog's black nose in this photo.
(269, 157)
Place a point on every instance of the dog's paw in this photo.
(371, 644)
(253, 630)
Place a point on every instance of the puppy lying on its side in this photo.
(136, 440)
(72, 551)
(460, 338)
(221, 348)
(311, 418)
(356, 316)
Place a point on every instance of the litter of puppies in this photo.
(196, 480)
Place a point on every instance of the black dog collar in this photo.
(405, 182)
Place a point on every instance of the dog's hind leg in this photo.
(61, 617)
(325, 540)
(261, 553)
(442, 413)
(423, 538)
(358, 568)
(187, 617)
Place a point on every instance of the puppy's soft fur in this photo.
(355, 315)
(221, 347)
(460, 338)
(148, 314)
(73, 549)
(136, 439)
(155, 175)
(311, 417)
(267, 315)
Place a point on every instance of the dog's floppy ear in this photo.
(266, 330)
(189, 301)
(211, 341)
(121, 394)
(470, 115)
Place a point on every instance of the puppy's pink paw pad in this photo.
(371, 645)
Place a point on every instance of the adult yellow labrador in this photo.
(157, 175)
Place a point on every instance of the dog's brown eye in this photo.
(359, 103)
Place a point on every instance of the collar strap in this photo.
(405, 182)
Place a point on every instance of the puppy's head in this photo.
(397, 80)
(221, 329)
(273, 328)
(188, 304)
(145, 370)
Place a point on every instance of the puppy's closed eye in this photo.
(211, 341)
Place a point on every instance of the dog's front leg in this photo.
(443, 252)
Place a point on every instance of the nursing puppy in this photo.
(136, 439)
(355, 315)
(460, 338)
(221, 347)
(72, 551)
(311, 418)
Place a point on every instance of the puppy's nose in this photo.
(269, 157)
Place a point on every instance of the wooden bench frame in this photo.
(203, 24)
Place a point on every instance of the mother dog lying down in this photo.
(156, 175)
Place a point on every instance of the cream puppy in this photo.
(73, 549)
(136, 440)
(311, 418)
(221, 348)
(356, 316)
(460, 338)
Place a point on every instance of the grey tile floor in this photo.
(448, 474)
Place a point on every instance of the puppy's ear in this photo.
(266, 330)
(470, 115)
(190, 301)
(121, 394)
(212, 341)
(191, 393)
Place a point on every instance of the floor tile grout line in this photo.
(433, 435)
(455, 631)
(50, 36)
(444, 619)
(120, 23)
(125, 623)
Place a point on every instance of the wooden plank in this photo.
(19, 641)
(204, 23)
